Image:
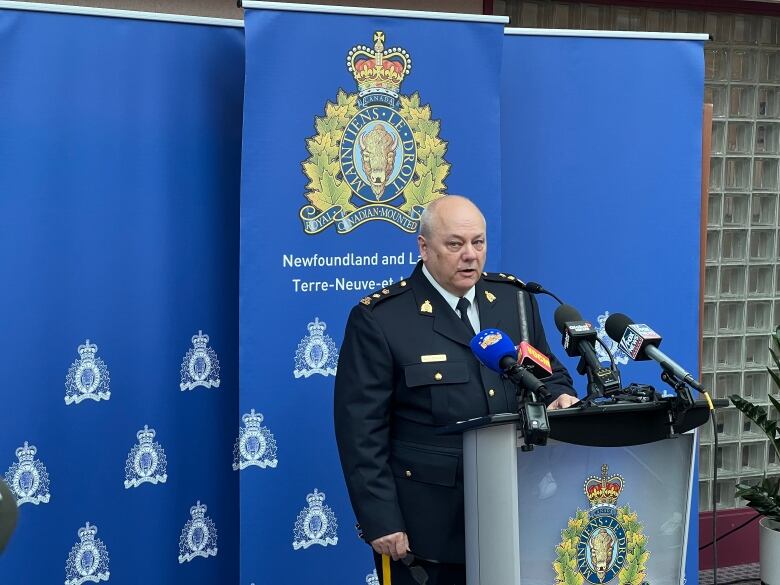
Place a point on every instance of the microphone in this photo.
(528, 356)
(535, 289)
(641, 343)
(495, 350)
(8, 514)
(579, 339)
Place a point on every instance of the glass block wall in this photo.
(742, 276)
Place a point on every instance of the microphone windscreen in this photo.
(564, 314)
(533, 287)
(616, 325)
(8, 514)
(490, 346)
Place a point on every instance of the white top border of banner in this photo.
(609, 34)
(374, 11)
(113, 13)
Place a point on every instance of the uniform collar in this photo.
(452, 300)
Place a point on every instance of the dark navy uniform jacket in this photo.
(405, 368)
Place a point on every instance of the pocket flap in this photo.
(425, 466)
(434, 373)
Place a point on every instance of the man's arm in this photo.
(559, 383)
(362, 403)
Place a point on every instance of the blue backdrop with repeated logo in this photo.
(315, 238)
(601, 145)
(119, 182)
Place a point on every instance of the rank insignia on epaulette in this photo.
(426, 307)
(366, 301)
(490, 296)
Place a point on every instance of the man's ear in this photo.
(423, 246)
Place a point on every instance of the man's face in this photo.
(454, 253)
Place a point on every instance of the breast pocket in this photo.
(440, 378)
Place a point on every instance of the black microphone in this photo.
(529, 357)
(579, 339)
(535, 289)
(8, 514)
(641, 343)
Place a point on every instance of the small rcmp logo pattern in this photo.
(198, 537)
(88, 559)
(377, 155)
(315, 524)
(372, 578)
(146, 462)
(255, 444)
(316, 353)
(28, 478)
(200, 366)
(620, 356)
(87, 377)
(605, 543)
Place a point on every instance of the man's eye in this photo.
(454, 245)
(479, 244)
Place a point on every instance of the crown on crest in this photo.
(87, 349)
(603, 490)
(198, 511)
(315, 500)
(146, 435)
(200, 340)
(252, 419)
(378, 68)
(87, 533)
(316, 328)
(26, 453)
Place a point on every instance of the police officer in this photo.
(405, 369)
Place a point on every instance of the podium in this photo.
(606, 500)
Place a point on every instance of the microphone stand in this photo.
(533, 413)
(683, 401)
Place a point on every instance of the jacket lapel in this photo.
(430, 303)
(488, 303)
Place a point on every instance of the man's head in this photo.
(453, 242)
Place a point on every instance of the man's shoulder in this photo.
(504, 278)
(380, 296)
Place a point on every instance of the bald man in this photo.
(405, 370)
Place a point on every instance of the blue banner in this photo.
(353, 123)
(601, 152)
(119, 182)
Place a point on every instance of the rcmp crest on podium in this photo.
(604, 544)
(315, 524)
(316, 353)
(87, 377)
(200, 366)
(255, 444)
(614, 347)
(198, 537)
(377, 154)
(88, 559)
(28, 478)
(146, 462)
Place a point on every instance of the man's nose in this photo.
(468, 252)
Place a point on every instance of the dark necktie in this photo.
(463, 308)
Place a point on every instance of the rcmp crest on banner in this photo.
(88, 559)
(377, 154)
(255, 444)
(198, 537)
(200, 366)
(316, 353)
(146, 462)
(604, 544)
(315, 524)
(372, 578)
(614, 348)
(28, 478)
(87, 377)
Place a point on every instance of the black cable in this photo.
(609, 353)
(732, 531)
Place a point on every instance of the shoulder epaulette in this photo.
(385, 293)
(502, 277)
